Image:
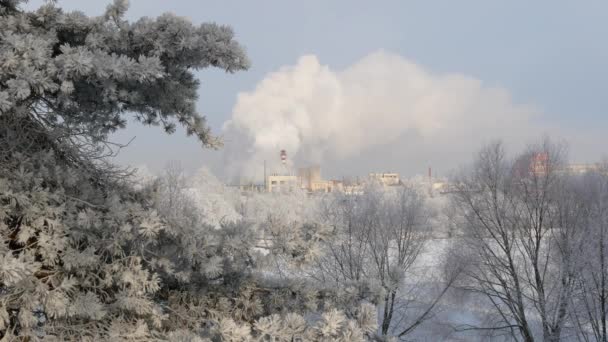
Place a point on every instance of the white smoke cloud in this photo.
(382, 104)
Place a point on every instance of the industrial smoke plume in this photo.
(316, 113)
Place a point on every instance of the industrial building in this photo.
(311, 181)
(539, 165)
(582, 168)
(387, 179)
(281, 183)
(309, 176)
(251, 187)
(307, 179)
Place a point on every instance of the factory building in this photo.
(250, 187)
(307, 179)
(281, 183)
(386, 179)
(582, 168)
(311, 181)
(309, 176)
(539, 165)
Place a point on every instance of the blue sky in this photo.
(548, 54)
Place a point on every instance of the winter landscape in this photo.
(332, 176)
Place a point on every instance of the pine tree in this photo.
(86, 257)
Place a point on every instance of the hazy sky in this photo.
(548, 55)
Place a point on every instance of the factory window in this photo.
(273, 182)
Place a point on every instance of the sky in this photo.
(523, 68)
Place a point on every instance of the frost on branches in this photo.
(127, 266)
(84, 256)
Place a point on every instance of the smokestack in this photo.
(438, 108)
(430, 174)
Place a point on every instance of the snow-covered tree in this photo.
(590, 307)
(524, 224)
(73, 79)
(86, 257)
(218, 202)
(380, 235)
(232, 295)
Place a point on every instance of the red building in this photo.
(539, 165)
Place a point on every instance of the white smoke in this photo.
(383, 100)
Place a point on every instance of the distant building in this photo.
(251, 187)
(439, 186)
(386, 179)
(336, 185)
(582, 168)
(311, 181)
(281, 183)
(309, 176)
(353, 189)
(539, 165)
(320, 186)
